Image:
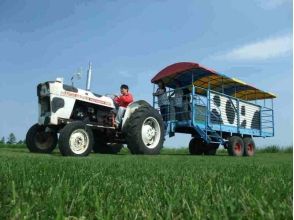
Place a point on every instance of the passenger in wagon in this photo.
(186, 104)
(162, 100)
(178, 101)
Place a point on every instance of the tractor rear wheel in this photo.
(76, 139)
(144, 131)
(249, 146)
(235, 146)
(40, 141)
(196, 146)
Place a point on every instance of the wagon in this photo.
(215, 109)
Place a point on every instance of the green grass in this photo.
(169, 186)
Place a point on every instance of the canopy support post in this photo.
(193, 100)
(153, 97)
(235, 90)
(273, 118)
(207, 109)
(237, 110)
(222, 84)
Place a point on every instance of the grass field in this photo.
(169, 186)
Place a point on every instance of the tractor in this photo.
(81, 121)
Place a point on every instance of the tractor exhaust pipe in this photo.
(89, 76)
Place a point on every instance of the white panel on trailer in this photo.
(224, 111)
(249, 115)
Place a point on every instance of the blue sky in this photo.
(130, 41)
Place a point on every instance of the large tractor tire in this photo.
(40, 141)
(249, 146)
(196, 146)
(235, 146)
(144, 131)
(76, 139)
(102, 147)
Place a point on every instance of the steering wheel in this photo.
(112, 96)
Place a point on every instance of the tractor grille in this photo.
(44, 99)
(45, 105)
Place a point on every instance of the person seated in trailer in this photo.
(178, 100)
(122, 101)
(186, 104)
(162, 100)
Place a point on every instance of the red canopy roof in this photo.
(178, 68)
(205, 77)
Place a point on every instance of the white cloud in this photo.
(261, 50)
(271, 4)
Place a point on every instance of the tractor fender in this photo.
(131, 108)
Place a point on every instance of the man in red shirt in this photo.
(123, 101)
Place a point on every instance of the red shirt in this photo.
(124, 100)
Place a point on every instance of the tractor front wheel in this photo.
(38, 140)
(76, 139)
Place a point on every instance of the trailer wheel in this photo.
(102, 147)
(211, 149)
(76, 139)
(196, 146)
(40, 141)
(235, 146)
(144, 131)
(249, 146)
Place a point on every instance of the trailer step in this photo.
(215, 142)
(213, 137)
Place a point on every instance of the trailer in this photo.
(215, 109)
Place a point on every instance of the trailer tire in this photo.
(211, 149)
(101, 146)
(235, 146)
(196, 146)
(39, 141)
(249, 146)
(144, 131)
(76, 139)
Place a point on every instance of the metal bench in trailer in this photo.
(215, 109)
